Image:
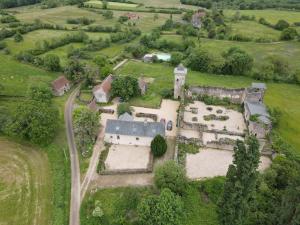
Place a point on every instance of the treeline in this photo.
(244, 5)
(15, 3)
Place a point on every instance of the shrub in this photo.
(281, 25)
(288, 34)
(124, 108)
(18, 37)
(171, 175)
(52, 62)
(158, 146)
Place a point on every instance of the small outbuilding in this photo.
(60, 86)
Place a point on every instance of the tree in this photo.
(165, 209)
(124, 108)
(240, 183)
(158, 146)
(86, 124)
(171, 175)
(100, 60)
(237, 62)
(104, 4)
(34, 121)
(105, 71)
(40, 94)
(281, 25)
(176, 58)
(199, 60)
(18, 37)
(52, 62)
(74, 70)
(108, 14)
(288, 34)
(125, 87)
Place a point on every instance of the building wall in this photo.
(62, 91)
(178, 84)
(127, 140)
(235, 95)
(257, 129)
(101, 96)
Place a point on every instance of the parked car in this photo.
(169, 125)
(163, 121)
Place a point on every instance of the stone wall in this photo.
(236, 96)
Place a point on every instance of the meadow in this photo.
(278, 95)
(110, 5)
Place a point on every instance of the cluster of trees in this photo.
(34, 120)
(99, 28)
(81, 20)
(15, 3)
(86, 125)
(125, 87)
(125, 36)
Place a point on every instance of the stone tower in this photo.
(180, 73)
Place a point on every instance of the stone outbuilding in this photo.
(142, 85)
(197, 19)
(126, 132)
(60, 86)
(180, 73)
(101, 92)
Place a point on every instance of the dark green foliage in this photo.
(82, 21)
(40, 94)
(85, 123)
(237, 62)
(137, 51)
(105, 71)
(158, 146)
(52, 62)
(18, 37)
(213, 188)
(199, 60)
(176, 58)
(100, 28)
(123, 19)
(165, 209)
(167, 93)
(74, 70)
(108, 14)
(124, 108)
(171, 175)
(125, 87)
(288, 34)
(8, 19)
(240, 183)
(125, 36)
(2, 45)
(281, 25)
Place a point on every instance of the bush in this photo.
(158, 146)
(124, 108)
(52, 62)
(171, 175)
(281, 25)
(176, 58)
(18, 37)
(288, 34)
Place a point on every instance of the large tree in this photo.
(158, 146)
(52, 62)
(86, 123)
(165, 209)
(125, 87)
(240, 183)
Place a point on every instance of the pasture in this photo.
(110, 5)
(271, 15)
(25, 184)
(277, 95)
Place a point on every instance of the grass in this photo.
(16, 77)
(283, 96)
(252, 29)
(110, 5)
(197, 209)
(25, 184)
(270, 15)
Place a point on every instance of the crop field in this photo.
(25, 185)
(254, 30)
(271, 15)
(277, 94)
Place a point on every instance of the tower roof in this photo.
(180, 69)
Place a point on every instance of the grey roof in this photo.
(258, 108)
(135, 128)
(180, 69)
(259, 85)
(126, 116)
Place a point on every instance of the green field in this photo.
(111, 5)
(278, 95)
(254, 30)
(271, 15)
(25, 184)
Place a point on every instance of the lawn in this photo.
(25, 184)
(271, 15)
(283, 96)
(252, 29)
(16, 77)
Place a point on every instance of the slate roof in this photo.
(126, 117)
(180, 69)
(259, 85)
(60, 82)
(258, 108)
(135, 128)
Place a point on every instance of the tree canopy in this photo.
(125, 87)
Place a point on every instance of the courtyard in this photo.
(215, 117)
(128, 158)
(209, 163)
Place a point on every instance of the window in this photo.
(118, 137)
(137, 138)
